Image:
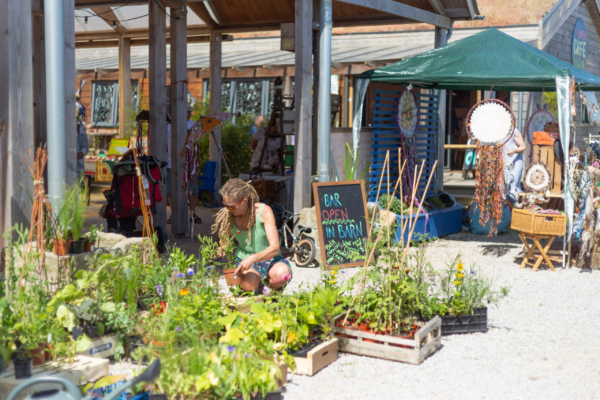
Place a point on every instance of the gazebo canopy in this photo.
(490, 60)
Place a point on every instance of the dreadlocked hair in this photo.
(235, 190)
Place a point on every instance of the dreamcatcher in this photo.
(407, 115)
(537, 178)
(537, 123)
(490, 124)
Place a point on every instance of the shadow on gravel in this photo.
(497, 250)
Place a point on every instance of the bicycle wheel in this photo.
(306, 252)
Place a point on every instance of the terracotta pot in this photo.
(38, 355)
(61, 248)
(88, 246)
(47, 353)
(231, 278)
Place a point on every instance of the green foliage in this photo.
(397, 206)
(436, 202)
(351, 165)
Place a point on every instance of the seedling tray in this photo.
(465, 323)
(427, 340)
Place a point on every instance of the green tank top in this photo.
(258, 240)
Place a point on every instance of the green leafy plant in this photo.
(94, 232)
(351, 165)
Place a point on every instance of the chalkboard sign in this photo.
(343, 222)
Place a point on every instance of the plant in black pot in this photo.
(92, 236)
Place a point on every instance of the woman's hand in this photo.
(246, 264)
(511, 152)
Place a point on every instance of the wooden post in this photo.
(70, 90)
(314, 169)
(40, 130)
(303, 94)
(16, 111)
(125, 87)
(441, 40)
(215, 99)
(158, 98)
(179, 203)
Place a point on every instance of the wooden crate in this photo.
(102, 347)
(427, 340)
(317, 358)
(81, 371)
(545, 155)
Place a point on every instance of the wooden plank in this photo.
(108, 15)
(403, 10)
(557, 181)
(438, 7)
(16, 98)
(554, 20)
(216, 52)
(471, 8)
(81, 371)
(69, 73)
(303, 103)
(200, 10)
(125, 87)
(179, 88)
(441, 39)
(158, 97)
(40, 131)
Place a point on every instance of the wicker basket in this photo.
(539, 224)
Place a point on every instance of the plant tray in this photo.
(427, 340)
(242, 303)
(317, 358)
(465, 323)
(80, 372)
(103, 346)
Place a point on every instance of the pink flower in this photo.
(266, 291)
(286, 278)
(596, 164)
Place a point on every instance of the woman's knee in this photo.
(250, 281)
(279, 275)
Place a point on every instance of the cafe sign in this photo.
(579, 48)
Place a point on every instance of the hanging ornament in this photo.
(537, 178)
(537, 123)
(407, 116)
(490, 124)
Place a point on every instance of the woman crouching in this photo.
(257, 258)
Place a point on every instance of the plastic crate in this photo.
(465, 323)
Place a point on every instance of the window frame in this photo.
(115, 102)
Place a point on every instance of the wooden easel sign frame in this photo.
(343, 223)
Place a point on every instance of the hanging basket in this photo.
(490, 122)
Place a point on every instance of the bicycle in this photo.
(304, 249)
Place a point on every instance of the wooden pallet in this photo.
(427, 340)
(317, 359)
(545, 155)
(81, 371)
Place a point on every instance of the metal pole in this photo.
(520, 122)
(55, 100)
(325, 89)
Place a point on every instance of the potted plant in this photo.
(78, 214)
(64, 223)
(92, 236)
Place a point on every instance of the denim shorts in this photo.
(263, 267)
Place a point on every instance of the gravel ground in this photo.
(542, 342)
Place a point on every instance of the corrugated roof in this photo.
(256, 52)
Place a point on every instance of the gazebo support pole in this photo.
(303, 103)
(441, 39)
(325, 88)
(179, 88)
(158, 98)
(215, 99)
(55, 100)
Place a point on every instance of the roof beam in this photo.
(403, 10)
(93, 44)
(134, 33)
(438, 7)
(108, 15)
(471, 8)
(201, 11)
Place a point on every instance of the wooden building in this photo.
(26, 58)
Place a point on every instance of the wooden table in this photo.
(531, 250)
